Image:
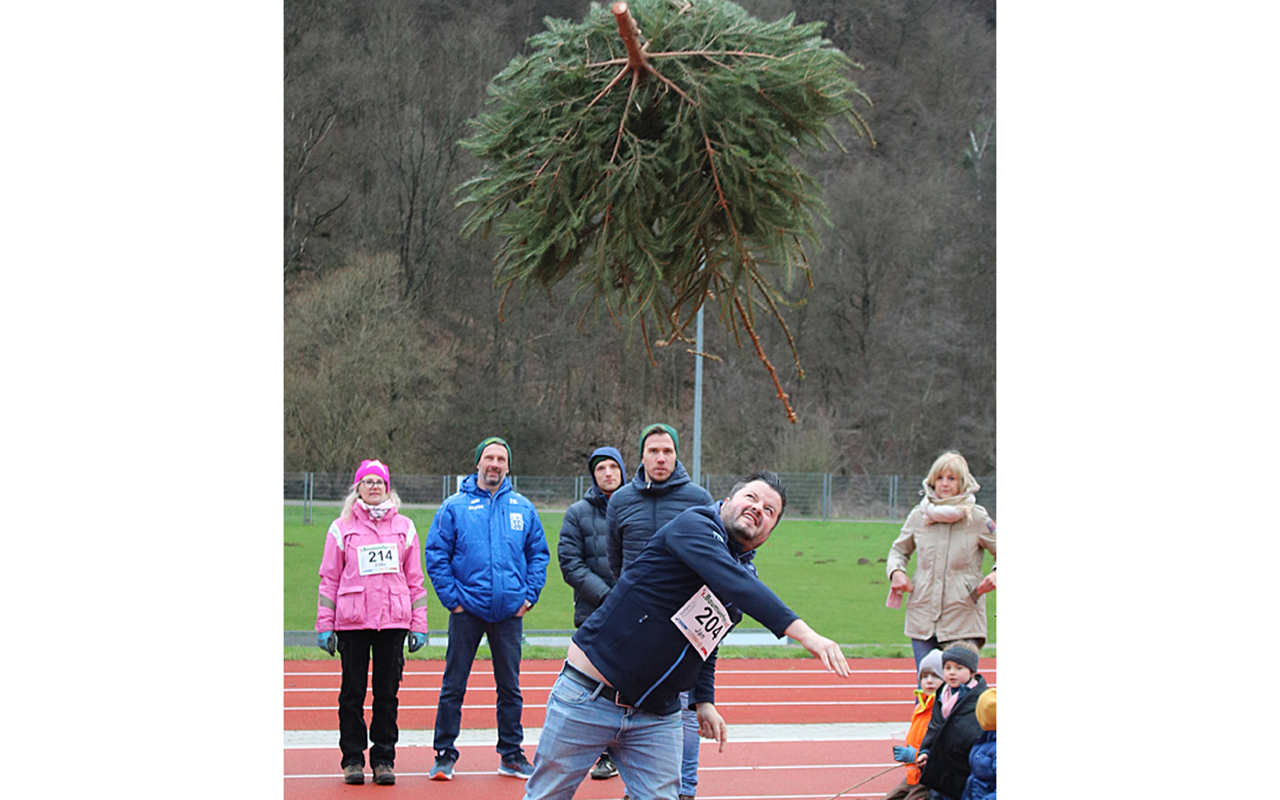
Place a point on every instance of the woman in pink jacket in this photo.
(371, 595)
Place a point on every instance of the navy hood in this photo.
(607, 452)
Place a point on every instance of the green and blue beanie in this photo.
(492, 440)
(659, 427)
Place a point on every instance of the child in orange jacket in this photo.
(930, 676)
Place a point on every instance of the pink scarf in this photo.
(950, 697)
(380, 510)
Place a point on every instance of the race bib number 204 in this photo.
(703, 621)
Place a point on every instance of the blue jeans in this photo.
(580, 725)
(689, 758)
(465, 630)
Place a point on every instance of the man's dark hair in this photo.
(771, 479)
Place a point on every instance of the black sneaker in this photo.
(443, 770)
(516, 766)
(604, 768)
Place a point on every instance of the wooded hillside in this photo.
(394, 346)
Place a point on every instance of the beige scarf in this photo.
(949, 509)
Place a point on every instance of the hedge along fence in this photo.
(809, 495)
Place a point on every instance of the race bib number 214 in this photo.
(376, 559)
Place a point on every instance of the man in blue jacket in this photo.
(648, 642)
(660, 491)
(487, 556)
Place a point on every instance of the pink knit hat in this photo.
(372, 466)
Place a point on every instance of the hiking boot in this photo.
(443, 770)
(353, 774)
(685, 797)
(516, 766)
(604, 768)
(383, 775)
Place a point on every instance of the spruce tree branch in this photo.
(612, 83)
(709, 53)
(622, 123)
(704, 53)
(644, 332)
(668, 82)
(773, 373)
(722, 202)
(767, 291)
(503, 301)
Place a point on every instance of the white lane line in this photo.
(720, 687)
(719, 704)
(791, 732)
(720, 670)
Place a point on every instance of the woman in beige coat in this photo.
(948, 532)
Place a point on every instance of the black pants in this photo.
(388, 667)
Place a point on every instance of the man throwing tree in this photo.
(630, 660)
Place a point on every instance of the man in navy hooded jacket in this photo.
(630, 660)
(583, 553)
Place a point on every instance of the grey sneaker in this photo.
(353, 774)
(604, 768)
(516, 766)
(383, 775)
(443, 770)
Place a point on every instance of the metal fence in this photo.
(809, 495)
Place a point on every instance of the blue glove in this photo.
(327, 642)
(907, 754)
(417, 641)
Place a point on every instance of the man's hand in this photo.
(899, 582)
(711, 725)
(524, 609)
(458, 610)
(820, 646)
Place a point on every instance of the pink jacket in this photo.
(395, 598)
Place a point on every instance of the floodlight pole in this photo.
(697, 394)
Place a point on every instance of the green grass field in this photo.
(830, 573)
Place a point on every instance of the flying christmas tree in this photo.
(654, 166)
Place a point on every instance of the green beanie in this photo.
(659, 427)
(492, 440)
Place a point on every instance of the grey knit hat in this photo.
(931, 662)
(962, 656)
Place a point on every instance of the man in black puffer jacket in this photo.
(660, 491)
(584, 558)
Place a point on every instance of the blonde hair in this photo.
(954, 463)
(349, 502)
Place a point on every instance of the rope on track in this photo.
(859, 783)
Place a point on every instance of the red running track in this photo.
(748, 692)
